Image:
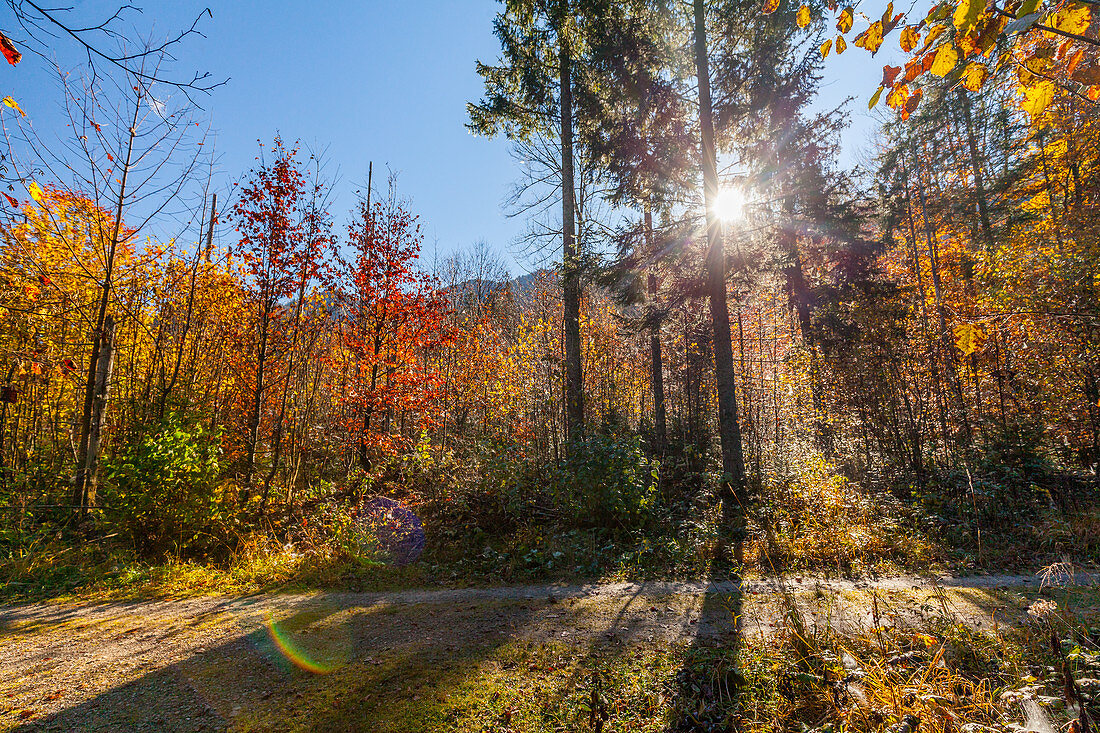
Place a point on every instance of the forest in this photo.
(737, 357)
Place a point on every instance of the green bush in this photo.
(162, 491)
(607, 481)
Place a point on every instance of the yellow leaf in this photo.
(826, 48)
(36, 191)
(871, 38)
(933, 34)
(1037, 98)
(969, 338)
(844, 23)
(909, 38)
(770, 6)
(14, 105)
(1071, 20)
(803, 18)
(897, 96)
(841, 45)
(946, 58)
(928, 641)
(974, 76)
(875, 98)
(966, 14)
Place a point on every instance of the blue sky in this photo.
(369, 81)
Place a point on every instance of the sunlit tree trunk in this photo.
(88, 455)
(571, 289)
(657, 379)
(733, 462)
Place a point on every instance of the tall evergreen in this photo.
(531, 90)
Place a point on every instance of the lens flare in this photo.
(292, 651)
(395, 528)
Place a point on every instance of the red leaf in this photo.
(12, 201)
(911, 104)
(11, 53)
(889, 74)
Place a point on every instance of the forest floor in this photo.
(505, 658)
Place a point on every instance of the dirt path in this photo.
(246, 663)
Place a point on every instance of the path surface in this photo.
(203, 663)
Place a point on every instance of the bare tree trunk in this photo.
(257, 402)
(571, 287)
(99, 408)
(733, 461)
(947, 345)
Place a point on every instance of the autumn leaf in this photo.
(966, 14)
(11, 200)
(1070, 20)
(974, 76)
(844, 23)
(9, 102)
(889, 20)
(874, 98)
(770, 6)
(897, 96)
(1074, 61)
(909, 38)
(36, 192)
(1028, 7)
(911, 104)
(841, 45)
(945, 60)
(931, 38)
(871, 39)
(1037, 98)
(11, 53)
(826, 48)
(969, 338)
(803, 18)
(889, 74)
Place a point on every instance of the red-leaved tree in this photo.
(392, 318)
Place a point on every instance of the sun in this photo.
(730, 205)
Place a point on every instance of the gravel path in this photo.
(196, 664)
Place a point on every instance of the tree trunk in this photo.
(660, 421)
(571, 287)
(257, 401)
(947, 344)
(976, 168)
(86, 457)
(99, 408)
(733, 462)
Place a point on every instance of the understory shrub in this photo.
(163, 490)
(607, 481)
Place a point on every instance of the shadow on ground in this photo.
(707, 687)
(325, 665)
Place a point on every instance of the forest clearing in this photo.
(550, 365)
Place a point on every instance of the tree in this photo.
(532, 91)
(391, 317)
(283, 235)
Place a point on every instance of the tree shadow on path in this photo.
(708, 686)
